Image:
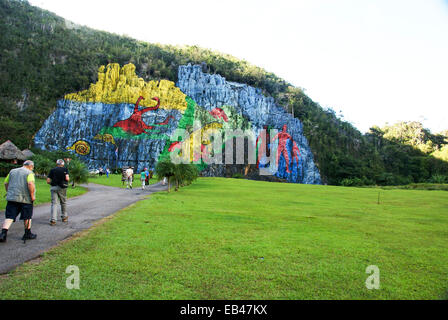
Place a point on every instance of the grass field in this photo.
(42, 192)
(114, 180)
(239, 239)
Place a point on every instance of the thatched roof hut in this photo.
(28, 154)
(8, 152)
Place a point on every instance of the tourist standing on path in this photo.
(129, 174)
(20, 195)
(143, 179)
(146, 176)
(58, 179)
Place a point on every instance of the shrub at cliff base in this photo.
(78, 172)
(183, 174)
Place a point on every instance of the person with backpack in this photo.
(143, 178)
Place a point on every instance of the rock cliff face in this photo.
(210, 91)
(123, 121)
(75, 121)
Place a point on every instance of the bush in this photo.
(42, 164)
(6, 167)
(387, 179)
(237, 176)
(186, 174)
(183, 174)
(78, 172)
(352, 182)
(438, 178)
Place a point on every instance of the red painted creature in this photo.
(218, 113)
(175, 145)
(134, 124)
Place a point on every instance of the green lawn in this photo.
(238, 239)
(114, 180)
(42, 192)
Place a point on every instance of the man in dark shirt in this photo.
(58, 179)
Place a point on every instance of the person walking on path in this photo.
(129, 174)
(143, 179)
(146, 176)
(20, 195)
(58, 179)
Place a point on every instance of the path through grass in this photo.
(114, 180)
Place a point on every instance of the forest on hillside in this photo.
(43, 57)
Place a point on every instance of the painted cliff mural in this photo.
(121, 120)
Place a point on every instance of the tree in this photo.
(78, 172)
(165, 168)
(184, 174)
(42, 165)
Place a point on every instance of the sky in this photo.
(372, 61)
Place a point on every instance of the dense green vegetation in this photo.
(216, 240)
(43, 57)
(44, 161)
(182, 174)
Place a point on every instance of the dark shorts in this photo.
(14, 208)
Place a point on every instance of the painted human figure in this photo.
(283, 137)
(295, 151)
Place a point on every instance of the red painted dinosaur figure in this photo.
(134, 124)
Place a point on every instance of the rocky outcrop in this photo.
(210, 91)
(83, 121)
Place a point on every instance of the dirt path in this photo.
(99, 202)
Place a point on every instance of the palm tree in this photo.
(78, 172)
(42, 165)
(165, 168)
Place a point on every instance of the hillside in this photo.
(45, 57)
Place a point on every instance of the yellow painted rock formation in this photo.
(122, 85)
